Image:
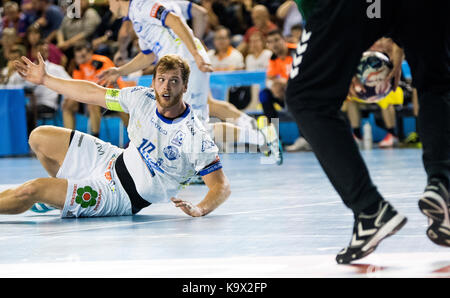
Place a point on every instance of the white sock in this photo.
(245, 121)
(251, 136)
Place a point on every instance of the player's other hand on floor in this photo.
(188, 207)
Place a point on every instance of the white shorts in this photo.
(93, 187)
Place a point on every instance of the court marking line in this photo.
(120, 225)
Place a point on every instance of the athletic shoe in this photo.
(41, 208)
(273, 144)
(435, 204)
(301, 144)
(369, 230)
(389, 141)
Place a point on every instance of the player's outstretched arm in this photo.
(219, 191)
(199, 20)
(180, 28)
(79, 90)
(140, 61)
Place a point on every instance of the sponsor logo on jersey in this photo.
(158, 126)
(86, 196)
(171, 152)
(207, 144)
(178, 138)
(137, 27)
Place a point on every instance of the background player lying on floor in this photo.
(92, 178)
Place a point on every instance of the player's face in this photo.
(169, 87)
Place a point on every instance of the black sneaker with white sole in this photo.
(369, 230)
(435, 204)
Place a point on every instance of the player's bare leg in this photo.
(225, 111)
(50, 144)
(17, 200)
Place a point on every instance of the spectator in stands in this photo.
(277, 75)
(13, 18)
(8, 40)
(44, 101)
(32, 40)
(386, 104)
(295, 34)
(49, 18)
(289, 15)
(73, 30)
(261, 22)
(234, 15)
(89, 65)
(7, 76)
(105, 36)
(258, 55)
(224, 57)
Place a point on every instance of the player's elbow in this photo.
(225, 189)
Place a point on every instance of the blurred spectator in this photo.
(261, 22)
(224, 57)
(289, 14)
(73, 30)
(8, 40)
(89, 65)
(49, 18)
(32, 40)
(295, 34)
(233, 14)
(104, 39)
(258, 55)
(7, 76)
(13, 18)
(277, 76)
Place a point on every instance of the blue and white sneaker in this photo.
(41, 208)
(274, 148)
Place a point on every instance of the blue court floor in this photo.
(280, 221)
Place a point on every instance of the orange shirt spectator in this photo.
(281, 66)
(90, 69)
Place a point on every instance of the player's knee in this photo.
(28, 192)
(36, 137)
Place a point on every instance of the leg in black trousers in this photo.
(335, 36)
(427, 47)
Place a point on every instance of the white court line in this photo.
(119, 225)
(375, 265)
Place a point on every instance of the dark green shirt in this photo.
(305, 7)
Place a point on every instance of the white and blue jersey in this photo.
(163, 153)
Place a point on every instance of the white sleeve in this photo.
(204, 155)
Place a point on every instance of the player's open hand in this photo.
(188, 207)
(30, 71)
(109, 76)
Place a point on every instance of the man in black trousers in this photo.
(336, 34)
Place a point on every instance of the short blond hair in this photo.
(172, 62)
